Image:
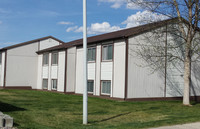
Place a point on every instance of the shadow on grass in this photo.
(4, 107)
(113, 117)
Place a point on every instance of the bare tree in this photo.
(187, 13)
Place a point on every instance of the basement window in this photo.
(46, 59)
(107, 52)
(105, 87)
(90, 86)
(54, 84)
(45, 84)
(91, 54)
(55, 58)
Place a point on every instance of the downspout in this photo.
(126, 69)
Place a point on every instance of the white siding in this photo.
(195, 76)
(61, 71)
(106, 70)
(98, 70)
(49, 73)
(22, 66)
(91, 71)
(40, 71)
(45, 72)
(2, 67)
(79, 71)
(47, 43)
(54, 72)
(119, 69)
(142, 83)
(71, 69)
(91, 74)
(106, 73)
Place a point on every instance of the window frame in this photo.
(106, 94)
(43, 59)
(93, 86)
(52, 58)
(92, 61)
(107, 60)
(53, 83)
(43, 83)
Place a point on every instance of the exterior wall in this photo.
(61, 71)
(98, 70)
(41, 70)
(49, 73)
(2, 66)
(119, 69)
(142, 83)
(71, 69)
(53, 72)
(79, 71)
(22, 66)
(92, 74)
(47, 43)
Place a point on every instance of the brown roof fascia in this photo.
(113, 35)
(29, 42)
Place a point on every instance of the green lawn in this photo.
(45, 110)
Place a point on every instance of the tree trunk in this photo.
(187, 75)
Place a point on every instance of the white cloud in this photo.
(118, 3)
(65, 23)
(96, 28)
(115, 3)
(137, 19)
(73, 28)
(1, 22)
(141, 18)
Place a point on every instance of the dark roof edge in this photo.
(115, 35)
(29, 42)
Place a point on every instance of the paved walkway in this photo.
(184, 126)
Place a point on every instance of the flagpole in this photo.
(85, 97)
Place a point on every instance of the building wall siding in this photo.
(98, 70)
(79, 71)
(40, 71)
(54, 72)
(61, 71)
(142, 83)
(47, 43)
(119, 69)
(22, 66)
(2, 66)
(71, 69)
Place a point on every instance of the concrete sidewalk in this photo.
(184, 126)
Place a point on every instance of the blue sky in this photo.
(24, 20)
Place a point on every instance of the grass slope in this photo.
(45, 110)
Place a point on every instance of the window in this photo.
(107, 52)
(45, 84)
(90, 86)
(91, 54)
(46, 59)
(105, 87)
(54, 84)
(0, 58)
(54, 58)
